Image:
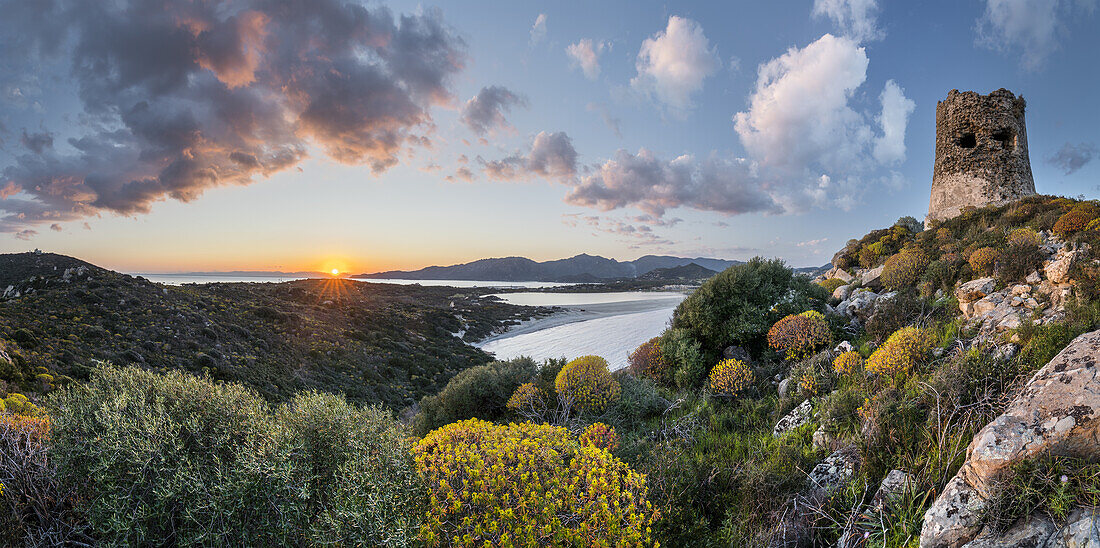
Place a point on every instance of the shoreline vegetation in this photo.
(774, 409)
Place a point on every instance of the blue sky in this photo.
(434, 134)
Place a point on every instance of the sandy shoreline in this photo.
(575, 314)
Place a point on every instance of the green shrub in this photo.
(904, 269)
(832, 284)
(480, 391)
(172, 459)
(169, 458)
(1019, 260)
(686, 356)
(738, 305)
(352, 470)
(1051, 485)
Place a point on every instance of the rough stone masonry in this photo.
(981, 153)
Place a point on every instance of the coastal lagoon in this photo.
(180, 279)
(611, 325)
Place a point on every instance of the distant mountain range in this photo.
(579, 269)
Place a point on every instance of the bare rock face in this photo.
(975, 289)
(1057, 412)
(981, 153)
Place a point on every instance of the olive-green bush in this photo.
(173, 459)
(480, 392)
(739, 304)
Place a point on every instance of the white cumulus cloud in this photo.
(799, 114)
(586, 55)
(673, 63)
(855, 18)
(896, 108)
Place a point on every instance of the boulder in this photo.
(784, 385)
(873, 278)
(1033, 278)
(736, 353)
(835, 471)
(842, 292)
(844, 346)
(1082, 529)
(843, 275)
(893, 486)
(859, 305)
(975, 289)
(1057, 411)
(797, 417)
(1057, 270)
(823, 439)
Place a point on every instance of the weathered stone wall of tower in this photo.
(981, 152)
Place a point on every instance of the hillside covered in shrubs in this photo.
(375, 343)
(775, 410)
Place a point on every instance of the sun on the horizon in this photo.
(336, 272)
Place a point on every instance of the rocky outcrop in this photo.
(861, 304)
(1081, 530)
(1057, 412)
(797, 417)
(872, 279)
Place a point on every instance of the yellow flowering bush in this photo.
(18, 404)
(526, 396)
(983, 259)
(730, 377)
(901, 353)
(1071, 222)
(600, 435)
(904, 269)
(1023, 236)
(648, 360)
(807, 385)
(527, 485)
(847, 363)
(799, 335)
(587, 383)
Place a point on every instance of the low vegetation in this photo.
(707, 438)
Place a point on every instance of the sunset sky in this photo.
(171, 135)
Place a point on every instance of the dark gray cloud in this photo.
(485, 111)
(1071, 158)
(551, 156)
(183, 96)
(36, 142)
(654, 185)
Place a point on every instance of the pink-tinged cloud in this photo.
(188, 96)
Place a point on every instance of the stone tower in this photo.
(981, 152)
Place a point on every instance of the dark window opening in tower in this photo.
(966, 140)
(1005, 137)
